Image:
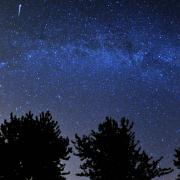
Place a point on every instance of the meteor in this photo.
(19, 9)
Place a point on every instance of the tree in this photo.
(177, 160)
(32, 148)
(113, 153)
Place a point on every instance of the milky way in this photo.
(84, 60)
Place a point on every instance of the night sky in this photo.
(87, 59)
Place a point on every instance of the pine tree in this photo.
(113, 153)
(177, 160)
(32, 148)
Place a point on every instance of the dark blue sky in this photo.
(87, 59)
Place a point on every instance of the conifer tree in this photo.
(32, 148)
(177, 160)
(112, 153)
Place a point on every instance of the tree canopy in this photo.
(32, 148)
(113, 153)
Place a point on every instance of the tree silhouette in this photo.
(113, 153)
(177, 160)
(32, 148)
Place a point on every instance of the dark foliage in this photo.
(32, 148)
(177, 160)
(112, 153)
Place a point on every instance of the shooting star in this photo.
(19, 9)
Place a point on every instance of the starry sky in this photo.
(87, 59)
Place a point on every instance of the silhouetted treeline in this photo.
(33, 148)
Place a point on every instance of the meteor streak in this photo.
(19, 9)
